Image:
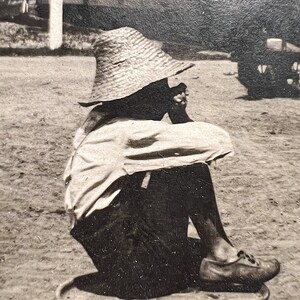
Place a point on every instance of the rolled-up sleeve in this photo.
(155, 145)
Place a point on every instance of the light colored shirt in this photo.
(106, 156)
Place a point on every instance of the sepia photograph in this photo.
(150, 149)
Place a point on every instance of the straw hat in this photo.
(127, 62)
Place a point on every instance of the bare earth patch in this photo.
(258, 188)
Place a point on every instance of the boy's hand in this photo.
(178, 103)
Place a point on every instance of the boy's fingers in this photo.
(180, 98)
(177, 98)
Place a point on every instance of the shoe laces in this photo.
(249, 257)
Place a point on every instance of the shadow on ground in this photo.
(292, 92)
(90, 285)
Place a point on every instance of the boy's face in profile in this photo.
(153, 101)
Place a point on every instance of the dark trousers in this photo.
(139, 244)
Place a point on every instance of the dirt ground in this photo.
(258, 188)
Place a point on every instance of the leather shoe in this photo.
(245, 269)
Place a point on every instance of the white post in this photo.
(55, 23)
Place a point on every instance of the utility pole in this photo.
(55, 24)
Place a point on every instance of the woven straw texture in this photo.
(127, 62)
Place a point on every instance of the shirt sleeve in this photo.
(153, 145)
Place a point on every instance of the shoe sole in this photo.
(260, 289)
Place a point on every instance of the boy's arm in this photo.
(177, 108)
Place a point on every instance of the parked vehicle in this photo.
(269, 69)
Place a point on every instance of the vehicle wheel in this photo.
(255, 93)
(255, 75)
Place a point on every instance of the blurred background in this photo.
(221, 25)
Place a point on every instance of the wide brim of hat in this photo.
(124, 68)
(132, 83)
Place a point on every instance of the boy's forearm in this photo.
(181, 117)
